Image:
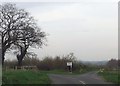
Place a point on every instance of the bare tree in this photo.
(30, 37)
(19, 28)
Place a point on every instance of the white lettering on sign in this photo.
(69, 63)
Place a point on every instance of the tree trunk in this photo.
(19, 61)
(2, 51)
(3, 55)
(3, 58)
(21, 56)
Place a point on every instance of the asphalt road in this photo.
(87, 78)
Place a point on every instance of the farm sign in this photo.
(69, 64)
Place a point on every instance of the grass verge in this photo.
(33, 77)
(63, 72)
(111, 76)
(25, 77)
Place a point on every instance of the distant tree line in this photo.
(113, 64)
(49, 63)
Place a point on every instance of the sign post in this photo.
(69, 65)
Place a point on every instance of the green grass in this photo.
(30, 77)
(111, 76)
(25, 77)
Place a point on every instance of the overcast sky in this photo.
(88, 28)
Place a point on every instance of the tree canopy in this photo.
(19, 30)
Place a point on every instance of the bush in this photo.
(49, 63)
(59, 62)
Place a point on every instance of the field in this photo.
(111, 76)
(25, 77)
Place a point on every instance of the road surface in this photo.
(87, 78)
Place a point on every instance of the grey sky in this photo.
(88, 29)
